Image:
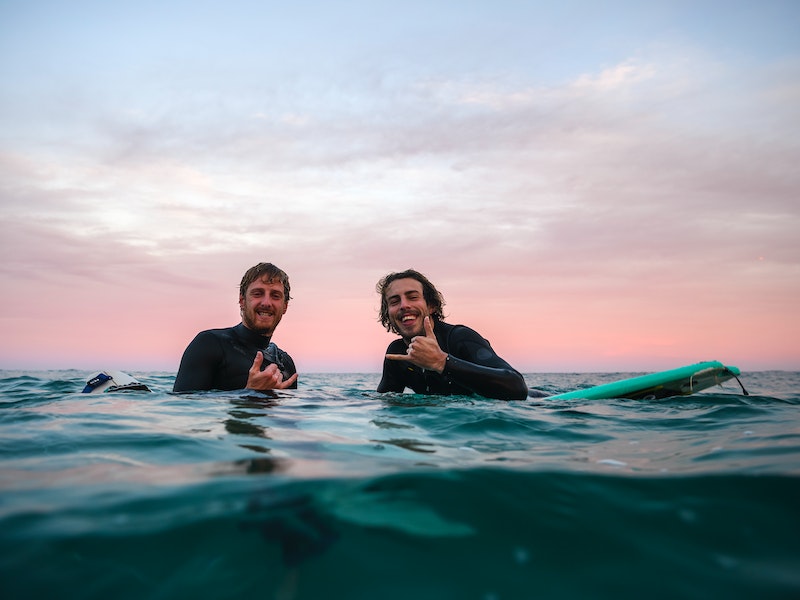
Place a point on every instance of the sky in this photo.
(593, 186)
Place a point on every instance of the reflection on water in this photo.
(238, 427)
(262, 465)
(245, 410)
(295, 522)
(409, 444)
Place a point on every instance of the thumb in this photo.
(258, 360)
(428, 322)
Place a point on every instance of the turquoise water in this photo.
(334, 491)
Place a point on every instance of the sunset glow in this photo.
(591, 190)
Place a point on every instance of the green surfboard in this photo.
(675, 382)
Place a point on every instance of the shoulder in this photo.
(208, 336)
(397, 346)
(215, 333)
(210, 340)
(236, 336)
(458, 333)
(466, 332)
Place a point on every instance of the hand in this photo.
(270, 378)
(424, 350)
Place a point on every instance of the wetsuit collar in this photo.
(248, 334)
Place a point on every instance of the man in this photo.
(243, 356)
(434, 357)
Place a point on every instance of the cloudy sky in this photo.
(594, 186)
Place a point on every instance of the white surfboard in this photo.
(113, 381)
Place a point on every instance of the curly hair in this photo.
(268, 270)
(433, 298)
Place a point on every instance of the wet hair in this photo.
(260, 271)
(433, 298)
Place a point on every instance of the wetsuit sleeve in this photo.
(390, 380)
(289, 368)
(473, 364)
(199, 363)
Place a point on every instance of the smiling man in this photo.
(243, 356)
(434, 357)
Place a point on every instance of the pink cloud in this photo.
(575, 226)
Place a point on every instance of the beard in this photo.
(252, 321)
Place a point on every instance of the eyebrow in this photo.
(407, 293)
(272, 292)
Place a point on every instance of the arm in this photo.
(389, 382)
(288, 368)
(474, 364)
(471, 363)
(199, 364)
(391, 379)
(502, 383)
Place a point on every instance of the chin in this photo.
(260, 329)
(409, 334)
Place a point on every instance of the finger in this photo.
(288, 382)
(428, 322)
(257, 362)
(397, 356)
(256, 377)
(270, 370)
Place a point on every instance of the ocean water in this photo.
(335, 491)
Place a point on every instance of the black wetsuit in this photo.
(220, 359)
(472, 368)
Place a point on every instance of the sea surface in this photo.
(334, 491)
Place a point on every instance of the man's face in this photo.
(407, 307)
(263, 306)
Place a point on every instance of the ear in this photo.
(241, 302)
